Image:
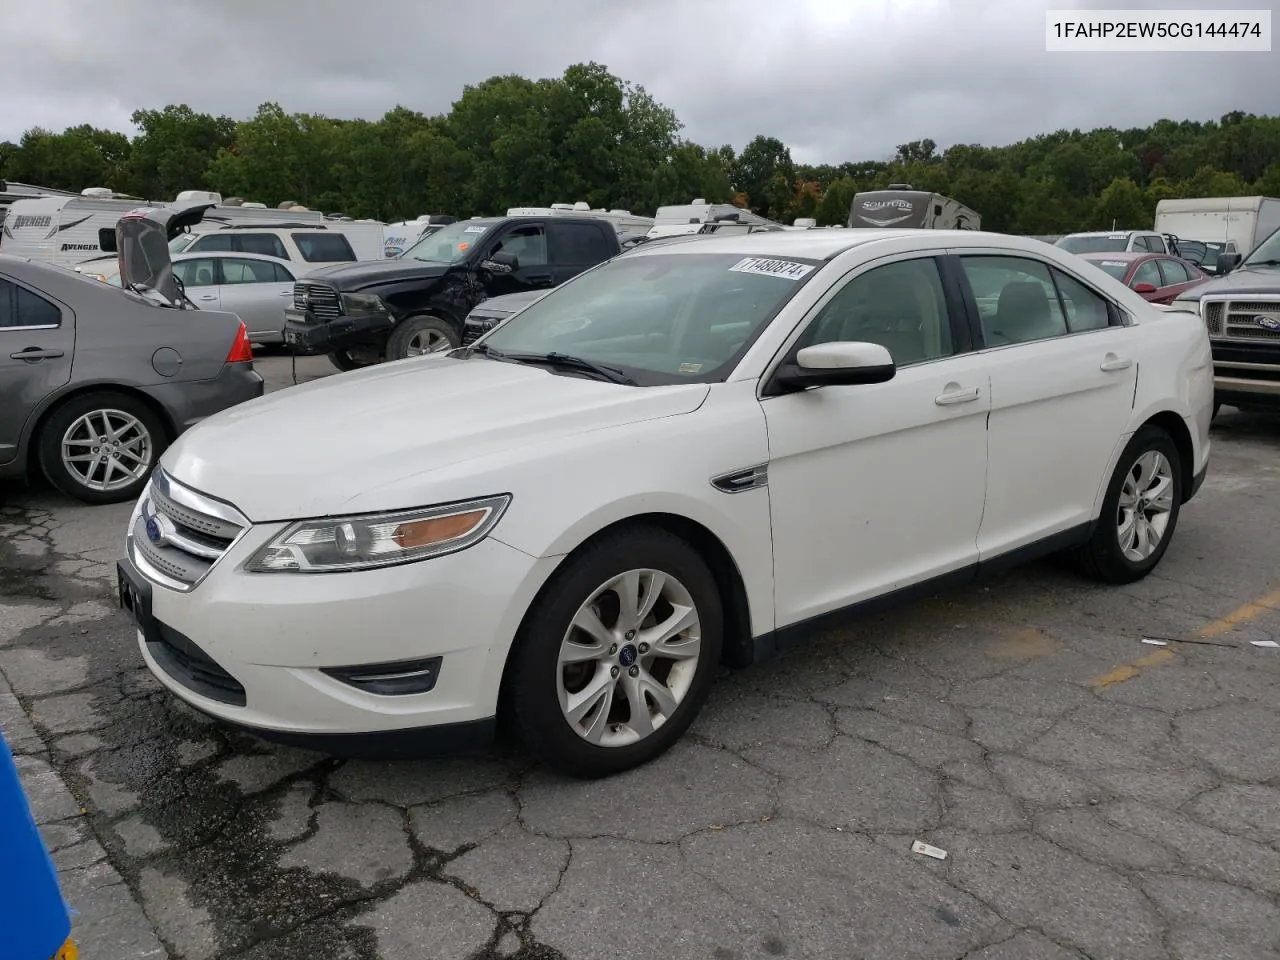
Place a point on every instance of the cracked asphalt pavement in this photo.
(1097, 797)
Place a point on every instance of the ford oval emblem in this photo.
(1268, 323)
(154, 533)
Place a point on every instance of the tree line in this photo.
(589, 135)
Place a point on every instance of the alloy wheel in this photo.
(1146, 504)
(106, 450)
(629, 657)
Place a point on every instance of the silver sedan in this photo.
(253, 286)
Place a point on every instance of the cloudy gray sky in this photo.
(834, 79)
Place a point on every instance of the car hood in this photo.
(508, 303)
(362, 274)
(1242, 280)
(312, 450)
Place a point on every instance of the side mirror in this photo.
(842, 363)
(107, 239)
(501, 262)
(1228, 262)
(1144, 288)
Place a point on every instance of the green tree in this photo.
(765, 172)
(833, 210)
(173, 150)
(1122, 206)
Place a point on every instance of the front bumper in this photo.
(306, 335)
(251, 649)
(1246, 373)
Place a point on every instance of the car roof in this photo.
(1108, 233)
(820, 243)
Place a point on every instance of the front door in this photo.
(527, 242)
(257, 291)
(877, 487)
(37, 337)
(1063, 374)
(199, 277)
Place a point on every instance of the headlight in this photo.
(363, 303)
(379, 539)
(1192, 305)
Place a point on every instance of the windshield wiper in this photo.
(567, 362)
(1262, 263)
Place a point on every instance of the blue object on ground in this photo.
(34, 920)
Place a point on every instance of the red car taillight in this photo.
(241, 349)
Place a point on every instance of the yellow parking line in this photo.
(1244, 614)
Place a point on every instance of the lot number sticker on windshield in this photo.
(786, 269)
(1114, 263)
(475, 229)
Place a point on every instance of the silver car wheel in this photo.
(629, 657)
(426, 341)
(1146, 503)
(107, 449)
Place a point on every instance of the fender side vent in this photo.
(751, 478)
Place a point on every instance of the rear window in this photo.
(1115, 243)
(324, 247)
(1117, 268)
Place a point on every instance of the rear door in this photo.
(37, 340)
(1178, 276)
(1063, 369)
(575, 247)
(257, 291)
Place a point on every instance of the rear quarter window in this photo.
(324, 247)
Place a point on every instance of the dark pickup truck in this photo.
(366, 312)
(1241, 312)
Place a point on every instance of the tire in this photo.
(343, 360)
(538, 677)
(69, 426)
(1103, 557)
(418, 335)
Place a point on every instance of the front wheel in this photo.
(1139, 512)
(418, 335)
(344, 360)
(618, 655)
(101, 447)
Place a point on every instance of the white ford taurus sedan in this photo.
(687, 456)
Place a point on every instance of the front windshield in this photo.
(1117, 268)
(1268, 251)
(449, 244)
(660, 318)
(1116, 243)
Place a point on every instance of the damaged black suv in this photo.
(366, 312)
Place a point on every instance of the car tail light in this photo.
(241, 349)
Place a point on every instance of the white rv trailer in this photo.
(63, 230)
(1246, 220)
(400, 236)
(901, 205)
(624, 221)
(685, 218)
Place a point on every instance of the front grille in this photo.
(320, 298)
(181, 533)
(1238, 319)
(193, 668)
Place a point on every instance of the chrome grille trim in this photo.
(320, 298)
(1229, 319)
(195, 532)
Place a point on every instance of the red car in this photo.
(1157, 277)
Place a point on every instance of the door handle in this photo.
(1112, 362)
(956, 395)
(207, 297)
(35, 353)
